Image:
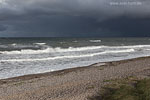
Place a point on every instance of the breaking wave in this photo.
(71, 49)
(95, 41)
(70, 57)
(51, 50)
(40, 43)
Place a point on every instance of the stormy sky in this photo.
(74, 18)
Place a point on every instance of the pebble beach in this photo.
(72, 84)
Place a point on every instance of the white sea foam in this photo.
(51, 50)
(70, 49)
(69, 57)
(130, 46)
(14, 44)
(40, 43)
(95, 41)
(75, 41)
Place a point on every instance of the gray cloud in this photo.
(70, 17)
(3, 28)
(90, 8)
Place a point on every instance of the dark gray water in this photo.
(21, 56)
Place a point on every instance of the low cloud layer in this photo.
(74, 18)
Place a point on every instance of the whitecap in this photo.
(95, 40)
(71, 49)
(51, 50)
(14, 44)
(40, 43)
(69, 57)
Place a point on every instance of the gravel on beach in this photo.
(71, 84)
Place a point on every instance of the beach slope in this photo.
(71, 84)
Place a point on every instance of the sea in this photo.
(23, 56)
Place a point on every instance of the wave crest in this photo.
(72, 49)
(95, 40)
(51, 50)
(70, 57)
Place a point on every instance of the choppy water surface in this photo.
(22, 56)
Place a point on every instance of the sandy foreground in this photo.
(71, 84)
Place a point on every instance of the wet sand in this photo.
(71, 84)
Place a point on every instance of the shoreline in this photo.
(65, 71)
(74, 83)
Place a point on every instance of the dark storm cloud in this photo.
(3, 28)
(74, 17)
(125, 26)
